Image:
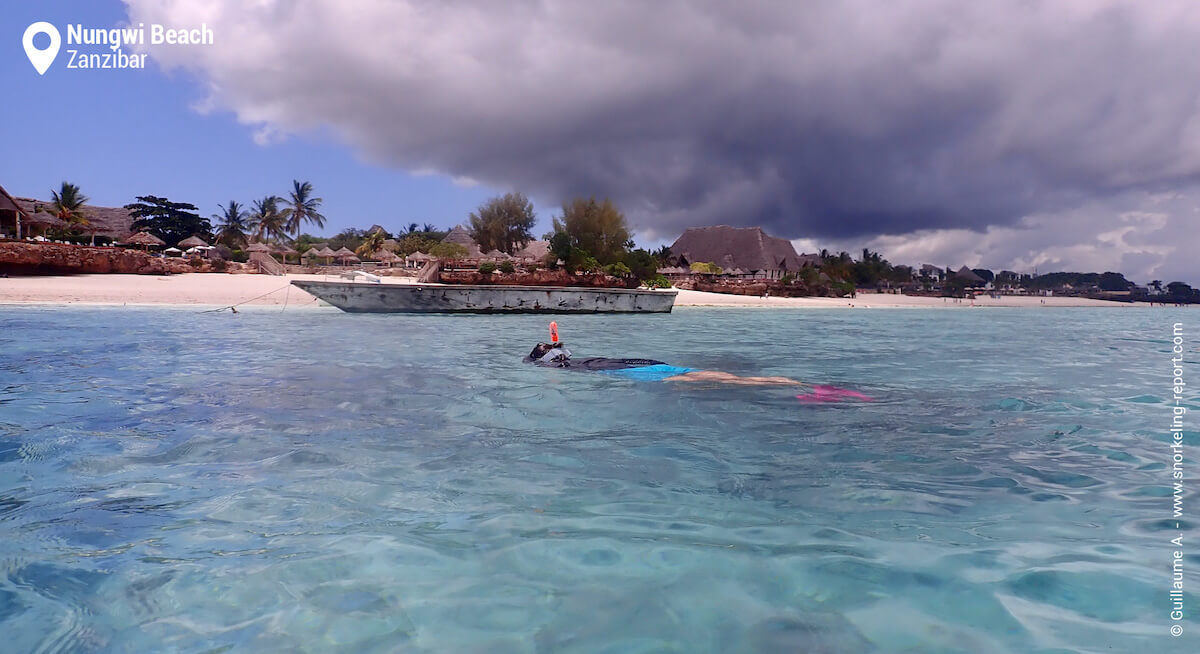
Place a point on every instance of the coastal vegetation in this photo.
(590, 236)
(67, 205)
(590, 229)
(372, 243)
(593, 236)
(301, 207)
(232, 226)
(170, 221)
(503, 223)
(266, 221)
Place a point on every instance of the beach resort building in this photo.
(11, 216)
(746, 252)
(934, 273)
(462, 237)
(969, 277)
(35, 217)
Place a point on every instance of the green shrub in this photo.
(658, 281)
(507, 267)
(195, 262)
(617, 269)
(219, 265)
(641, 264)
(240, 256)
(487, 267)
(589, 264)
(448, 251)
(842, 289)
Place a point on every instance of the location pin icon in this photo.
(41, 59)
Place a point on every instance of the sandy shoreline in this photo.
(264, 290)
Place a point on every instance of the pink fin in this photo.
(823, 393)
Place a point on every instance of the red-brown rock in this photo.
(20, 258)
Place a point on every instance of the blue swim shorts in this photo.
(657, 372)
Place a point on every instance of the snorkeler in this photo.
(556, 355)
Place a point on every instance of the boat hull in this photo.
(359, 297)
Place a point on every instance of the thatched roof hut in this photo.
(748, 248)
(345, 253)
(969, 276)
(11, 213)
(533, 251)
(145, 239)
(386, 256)
(420, 256)
(462, 237)
(113, 222)
(46, 220)
(258, 247)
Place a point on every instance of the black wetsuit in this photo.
(638, 369)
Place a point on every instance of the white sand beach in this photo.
(881, 301)
(265, 290)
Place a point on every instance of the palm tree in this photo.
(301, 207)
(231, 223)
(370, 245)
(67, 205)
(413, 228)
(428, 227)
(266, 221)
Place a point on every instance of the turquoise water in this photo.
(319, 481)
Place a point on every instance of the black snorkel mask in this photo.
(539, 351)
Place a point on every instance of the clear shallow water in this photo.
(317, 481)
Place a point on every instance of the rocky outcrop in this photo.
(18, 258)
(558, 277)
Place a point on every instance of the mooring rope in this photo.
(233, 307)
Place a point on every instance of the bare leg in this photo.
(729, 378)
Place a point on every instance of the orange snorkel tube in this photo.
(553, 333)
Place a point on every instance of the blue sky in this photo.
(123, 133)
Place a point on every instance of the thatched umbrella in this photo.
(46, 221)
(418, 257)
(344, 254)
(258, 247)
(326, 253)
(146, 240)
(284, 251)
(191, 242)
(387, 257)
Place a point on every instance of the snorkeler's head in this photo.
(541, 349)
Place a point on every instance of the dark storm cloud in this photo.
(814, 119)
